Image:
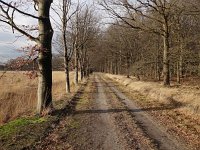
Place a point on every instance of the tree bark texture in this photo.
(166, 73)
(45, 56)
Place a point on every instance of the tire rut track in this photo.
(127, 128)
(157, 133)
(111, 140)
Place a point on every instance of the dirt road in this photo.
(104, 118)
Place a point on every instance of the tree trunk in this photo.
(156, 68)
(104, 65)
(128, 66)
(158, 63)
(88, 68)
(76, 66)
(82, 72)
(166, 73)
(116, 66)
(45, 57)
(68, 89)
(178, 73)
(181, 63)
(112, 68)
(66, 58)
(120, 62)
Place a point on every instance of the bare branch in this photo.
(20, 11)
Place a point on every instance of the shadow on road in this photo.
(126, 110)
(172, 105)
(70, 106)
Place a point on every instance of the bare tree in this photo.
(43, 41)
(65, 13)
(84, 29)
(158, 12)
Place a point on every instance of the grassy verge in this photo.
(13, 126)
(28, 132)
(24, 132)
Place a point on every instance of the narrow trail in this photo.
(121, 131)
(105, 119)
(111, 140)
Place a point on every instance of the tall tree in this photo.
(160, 12)
(43, 41)
(84, 31)
(65, 13)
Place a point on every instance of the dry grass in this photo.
(187, 96)
(18, 93)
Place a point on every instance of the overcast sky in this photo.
(10, 43)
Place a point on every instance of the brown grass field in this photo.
(18, 94)
(188, 97)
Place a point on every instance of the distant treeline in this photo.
(2, 67)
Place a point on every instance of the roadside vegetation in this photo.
(18, 95)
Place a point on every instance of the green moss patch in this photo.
(13, 126)
(24, 133)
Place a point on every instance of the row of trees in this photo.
(152, 38)
(79, 28)
(76, 27)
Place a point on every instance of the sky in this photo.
(10, 43)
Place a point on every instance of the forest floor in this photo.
(103, 115)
